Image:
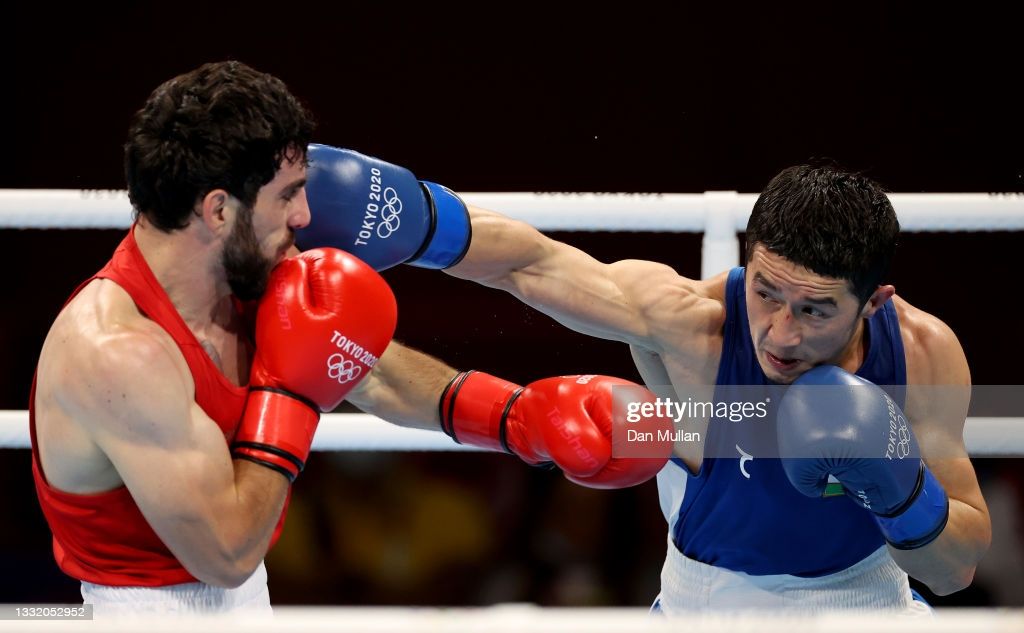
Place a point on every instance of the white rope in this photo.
(688, 212)
(719, 214)
(336, 432)
(531, 619)
(64, 209)
(984, 437)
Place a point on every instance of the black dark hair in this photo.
(223, 125)
(833, 222)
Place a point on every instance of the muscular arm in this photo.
(612, 301)
(133, 392)
(937, 409)
(404, 388)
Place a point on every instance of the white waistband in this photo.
(876, 582)
(252, 596)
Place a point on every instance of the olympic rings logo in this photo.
(389, 220)
(903, 447)
(341, 369)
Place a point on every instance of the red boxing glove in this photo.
(321, 326)
(568, 420)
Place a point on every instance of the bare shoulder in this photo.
(937, 401)
(933, 351)
(103, 361)
(938, 391)
(676, 307)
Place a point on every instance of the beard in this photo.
(247, 268)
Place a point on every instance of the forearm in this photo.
(260, 495)
(224, 539)
(404, 388)
(947, 564)
(499, 247)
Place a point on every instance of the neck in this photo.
(187, 269)
(853, 355)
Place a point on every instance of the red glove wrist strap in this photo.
(276, 431)
(474, 407)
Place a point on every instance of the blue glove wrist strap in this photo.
(451, 232)
(922, 520)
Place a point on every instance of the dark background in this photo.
(511, 97)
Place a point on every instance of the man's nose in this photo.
(785, 330)
(301, 215)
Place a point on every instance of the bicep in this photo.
(938, 426)
(177, 478)
(604, 300)
(939, 434)
(938, 399)
(171, 456)
(610, 301)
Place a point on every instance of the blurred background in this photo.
(512, 97)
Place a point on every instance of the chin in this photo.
(778, 376)
(775, 376)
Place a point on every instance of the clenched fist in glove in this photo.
(568, 420)
(321, 326)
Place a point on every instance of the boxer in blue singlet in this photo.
(846, 502)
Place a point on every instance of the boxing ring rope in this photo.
(718, 214)
(99, 209)
(983, 436)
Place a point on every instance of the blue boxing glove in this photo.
(380, 213)
(833, 423)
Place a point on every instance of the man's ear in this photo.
(217, 210)
(877, 300)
